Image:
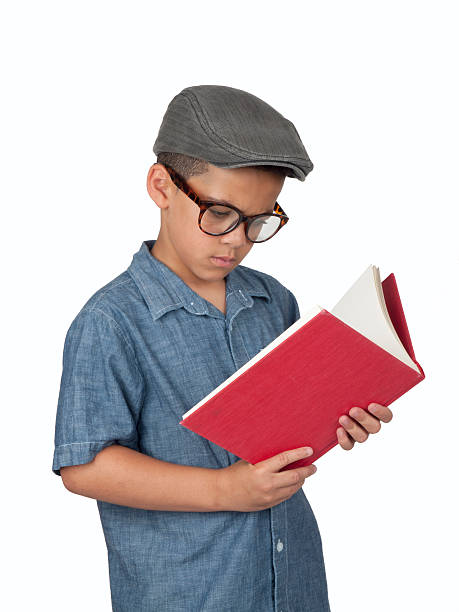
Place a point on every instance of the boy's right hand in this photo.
(247, 487)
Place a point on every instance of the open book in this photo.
(293, 391)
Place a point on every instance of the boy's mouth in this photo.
(225, 257)
(223, 261)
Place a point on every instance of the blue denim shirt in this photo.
(143, 350)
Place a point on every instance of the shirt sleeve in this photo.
(100, 391)
(294, 311)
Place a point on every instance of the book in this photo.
(292, 393)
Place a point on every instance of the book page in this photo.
(363, 308)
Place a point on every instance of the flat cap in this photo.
(231, 128)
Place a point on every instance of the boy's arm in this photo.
(123, 476)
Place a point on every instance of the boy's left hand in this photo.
(358, 428)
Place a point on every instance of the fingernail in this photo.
(308, 450)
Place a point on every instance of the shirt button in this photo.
(279, 546)
(191, 303)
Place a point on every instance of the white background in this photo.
(371, 88)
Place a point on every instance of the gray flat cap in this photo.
(231, 128)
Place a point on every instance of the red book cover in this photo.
(294, 395)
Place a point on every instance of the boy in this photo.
(189, 526)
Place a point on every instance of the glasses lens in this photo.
(263, 228)
(219, 219)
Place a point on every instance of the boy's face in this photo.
(182, 245)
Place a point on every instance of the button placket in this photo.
(278, 531)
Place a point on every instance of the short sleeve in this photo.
(294, 311)
(100, 391)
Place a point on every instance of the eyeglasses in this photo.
(218, 219)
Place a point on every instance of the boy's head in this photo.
(220, 145)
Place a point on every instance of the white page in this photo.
(363, 308)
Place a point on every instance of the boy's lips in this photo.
(225, 258)
(223, 261)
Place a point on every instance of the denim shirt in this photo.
(142, 351)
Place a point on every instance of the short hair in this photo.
(187, 166)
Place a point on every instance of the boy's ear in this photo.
(159, 185)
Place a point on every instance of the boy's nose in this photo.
(236, 237)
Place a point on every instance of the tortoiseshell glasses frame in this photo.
(205, 204)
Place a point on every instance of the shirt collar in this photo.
(163, 290)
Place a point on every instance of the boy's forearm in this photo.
(120, 475)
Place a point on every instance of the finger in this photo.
(344, 439)
(358, 433)
(275, 463)
(289, 478)
(369, 422)
(381, 412)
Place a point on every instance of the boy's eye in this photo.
(219, 213)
